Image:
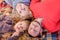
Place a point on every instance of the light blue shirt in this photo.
(13, 3)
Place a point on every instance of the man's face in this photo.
(34, 29)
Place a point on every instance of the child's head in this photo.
(5, 8)
(7, 11)
(21, 26)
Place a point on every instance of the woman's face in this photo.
(21, 26)
(23, 11)
(34, 29)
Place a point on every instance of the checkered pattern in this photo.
(51, 36)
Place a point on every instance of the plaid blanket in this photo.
(51, 36)
(46, 36)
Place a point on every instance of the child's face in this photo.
(23, 11)
(21, 26)
(34, 29)
(7, 11)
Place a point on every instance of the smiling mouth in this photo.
(20, 27)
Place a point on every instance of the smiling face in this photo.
(23, 11)
(21, 26)
(7, 11)
(21, 7)
(34, 29)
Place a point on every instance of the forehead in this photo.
(22, 5)
(35, 23)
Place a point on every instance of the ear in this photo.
(30, 13)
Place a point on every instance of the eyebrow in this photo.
(35, 25)
(37, 22)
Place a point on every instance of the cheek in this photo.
(18, 9)
(24, 12)
(25, 27)
(37, 28)
(33, 32)
(17, 27)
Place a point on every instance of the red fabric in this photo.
(2, 5)
(49, 10)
